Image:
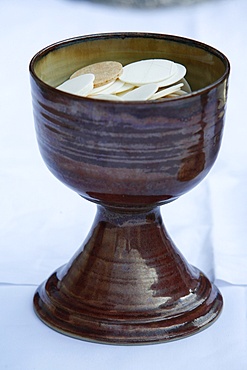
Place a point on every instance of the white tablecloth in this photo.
(42, 223)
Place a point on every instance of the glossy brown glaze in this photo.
(128, 283)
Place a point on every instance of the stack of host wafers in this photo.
(149, 79)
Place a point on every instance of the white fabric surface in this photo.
(42, 223)
(27, 344)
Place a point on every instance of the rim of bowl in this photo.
(90, 37)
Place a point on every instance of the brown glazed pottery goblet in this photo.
(128, 283)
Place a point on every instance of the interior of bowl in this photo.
(205, 65)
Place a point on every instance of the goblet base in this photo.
(128, 284)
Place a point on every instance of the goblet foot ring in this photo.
(128, 284)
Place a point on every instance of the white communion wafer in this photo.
(112, 89)
(97, 90)
(181, 72)
(148, 71)
(186, 86)
(126, 87)
(86, 90)
(105, 97)
(179, 93)
(143, 92)
(79, 85)
(165, 92)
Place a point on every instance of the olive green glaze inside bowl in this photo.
(205, 65)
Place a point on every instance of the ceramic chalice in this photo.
(128, 283)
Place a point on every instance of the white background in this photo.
(42, 223)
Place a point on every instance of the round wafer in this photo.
(104, 72)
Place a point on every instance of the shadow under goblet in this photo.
(128, 283)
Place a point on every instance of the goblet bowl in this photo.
(128, 283)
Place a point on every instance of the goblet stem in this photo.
(128, 284)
